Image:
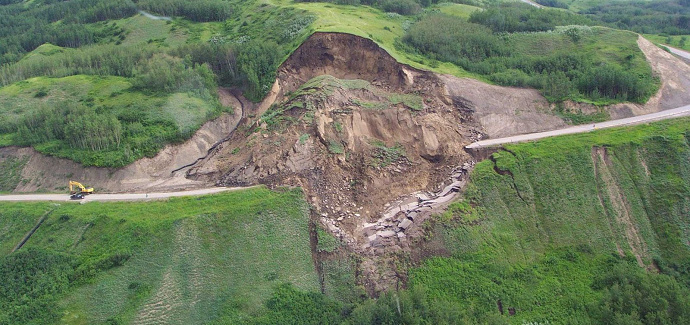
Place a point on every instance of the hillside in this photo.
(338, 132)
(169, 68)
(183, 261)
(563, 216)
(541, 235)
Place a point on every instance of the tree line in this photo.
(69, 122)
(519, 17)
(403, 7)
(650, 17)
(477, 46)
(25, 27)
(251, 65)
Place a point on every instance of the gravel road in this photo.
(679, 52)
(115, 197)
(663, 115)
(532, 3)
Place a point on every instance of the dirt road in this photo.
(532, 3)
(663, 115)
(682, 53)
(116, 197)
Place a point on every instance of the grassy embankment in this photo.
(545, 235)
(185, 260)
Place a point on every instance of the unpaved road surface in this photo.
(663, 115)
(532, 3)
(116, 197)
(679, 52)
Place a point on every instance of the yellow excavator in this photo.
(74, 195)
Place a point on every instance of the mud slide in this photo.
(162, 172)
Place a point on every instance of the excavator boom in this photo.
(81, 187)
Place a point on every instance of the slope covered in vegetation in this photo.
(584, 229)
(566, 62)
(564, 229)
(152, 83)
(184, 261)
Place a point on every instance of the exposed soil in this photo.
(506, 111)
(502, 111)
(624, 222)
(675, 83)
(355, 161)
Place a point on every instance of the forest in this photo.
(75, 129)
(563, 70)
(650, 17)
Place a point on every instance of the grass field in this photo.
(182, 261)
(140, 29)
(455, 9)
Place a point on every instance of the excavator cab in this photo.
(78, 195)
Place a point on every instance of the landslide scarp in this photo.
(356, 130)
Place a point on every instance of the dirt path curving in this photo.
(227, 98)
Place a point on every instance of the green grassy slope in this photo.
(184, 261)
(550, 219)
